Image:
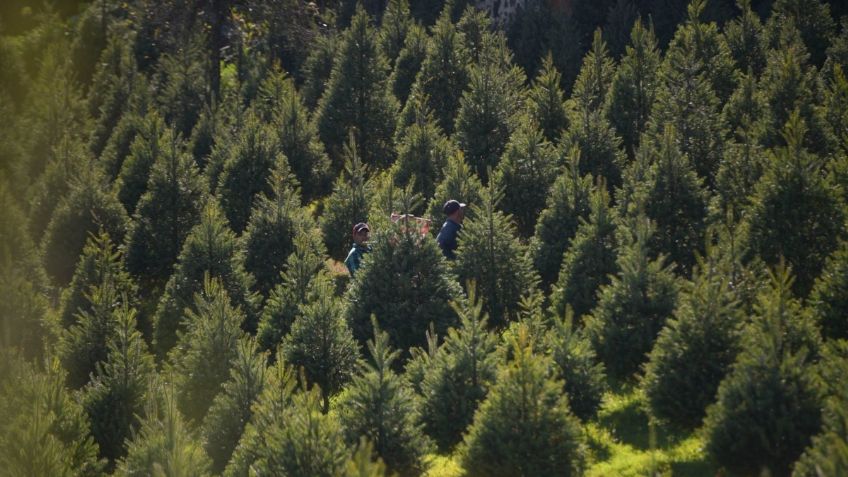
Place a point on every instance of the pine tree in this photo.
(210, 249)
(619, 22)
(459, 183)
(232, 408)
(422, 153)
(360, 463)
(589, 261)
(115, 397)
(546, 101)
(45, 431)
(567, 201)
(318, 66)
(740, 170)
(490, 253)
(812, 20)
(768, 407)
(360, 71)
(164, 445)
(201, 361)
(321, 342)
(634, 87)
(120, 141)
(633, 308)
(598, 144)
(444, 73)
(525, 426)
(527, 169)
(152, 141)
(829, 296)
(409, 61)
(379, 406)
(459, 374)
(795, 212)
(744, 36)
(347, 205)
(88, 208)
(697, 347)
(183, 85)
(595, 77)
(394, 28)
(165, 215)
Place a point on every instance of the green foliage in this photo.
(347, 205)
(589, 261)
(210, 250)
(394, 28)
(567, 201)
(409, 61)
(598, 144)
(183, 83)
(45, 432)
(745, 39)
(459, 374)
(318, 66)
(232, 408)
(583, 377)
(527, 169)
(423, 152)
(360, 71)
(769, 405)
(812, 20)
(546, 101)
(490, 253)
(404, 281)
(459, 183)
(829, 296)
(151, 142)
(633, 308)
(795, 212)
(380, 406)
(525, 426)
(696, 348)
(321, 342)
(595, 77)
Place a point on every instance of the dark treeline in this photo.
(658, 197)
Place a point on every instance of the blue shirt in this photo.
(447, 238)
(354, 257)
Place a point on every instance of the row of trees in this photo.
(170, 299)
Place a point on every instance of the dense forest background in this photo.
(652, 278)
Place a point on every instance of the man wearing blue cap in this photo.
(455, 211)
(361, 234)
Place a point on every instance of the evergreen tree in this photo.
(232, 408)
(567, 201)
(405, 281)
(582, 375)
(360, 71)
(745, 109)
(394, 28)
(490, 253)
(740, 170)
(525, 426)
(619, 22)
(318, 66)
(459, 183)
(422, 153)
(795, 212)
(45, 431)
(634, 86)
(633, 308)
(444, 73)
(595, 77)
(589, 261)
(152, 141)
(347, 205)
(118, 145)
(546, 101)
(294, 290)
(598, 144)
(696, 349)
(459, 374)
(812, 20)
(744, 36)
(380, 406)
(183, 87)
(836, 110)
(829, 296)
(88, 208)
(321, 342)
(164, 444)
(201, 361)
(768, 407)
(165, 215)
(527, 169)
(114, 399)
(409, 61)
(210, 249)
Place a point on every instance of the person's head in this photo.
(455, 210)
(361, 233)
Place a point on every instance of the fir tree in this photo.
(525, 426)
(210, 249)
(633, 87)
(459, 183)
(527, 169)
(201, 361)
(595, 77)
(321, 342)
(598, 144)
(360, 71)
(567, 201)
(114, 399)
(183, 86)
(490, 253)
(812, 20)
(740, 170)
(120, 141)
(347, 205)
(696, 348)
(546, 101)
(379, 406)
(409, 61)
(232, 408)
(795, 212)
(394, 28)
(318, 66)
(152, 141)
(589, 261)
(633, 308)
(423, 152)
(459, 374)
(829, 296)
(744, 36)
(768, 407)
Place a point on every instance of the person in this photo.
(361, 234)
(455, 212)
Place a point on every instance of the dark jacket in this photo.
(354, 257)
(447, 238)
